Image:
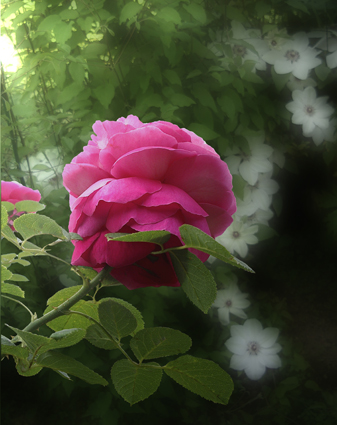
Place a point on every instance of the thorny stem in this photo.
(59, 311)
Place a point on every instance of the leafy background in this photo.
(83, 61)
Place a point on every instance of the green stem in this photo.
(59, 311)
(19, 302)
(170, 249)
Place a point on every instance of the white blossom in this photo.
(254, 348)
(324, 134)
(295, 56)
(328, 43)
(249, 166)
(231, 301)
(238, 236)
(261, 217)
(297, 84)
(309, 111)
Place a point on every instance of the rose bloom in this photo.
(14, 192)
(137, 177)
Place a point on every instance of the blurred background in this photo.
(257, 81)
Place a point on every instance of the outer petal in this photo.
(77, 178)
(255, 370)
(237, 345)
(240, 362)
(272, 361)
(154, 272)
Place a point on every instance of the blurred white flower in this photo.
(249, 166)
(309, 110)
(231, 301)
(324, 134)
(295, 56)
(276, 39)
(254, 348)
(245, 41)
(328, 42)
(238, 236)
(263, 190)
(297, 84)
(261, 217)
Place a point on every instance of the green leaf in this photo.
(13, 350)
(49, 23)
(201, 92)
(59, 362)
(18, 278)
(41, 344)
(136, 313)
(135, 382)
(29, 206)
(8, 205)
(197, 12)
(30, 225)
(197, 239)
(4, 216)
(181, 100)
(151, 343)
(228, 106)
(129, 11)
(169, 14)
(116, 319)
(5, 274)
(25, 368)
(195, 279)
(8, 288)
(202, 377)
(6, 341)
(152, 236)
(203, 131)
(97, 337)
(105, 94)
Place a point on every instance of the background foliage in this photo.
(83, 61)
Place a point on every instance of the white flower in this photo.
(297, 84)
(263, 190)
(254, 348)
(249, 166)
(294, 56)
(309, 110)
(320, 134)
(237, 236)
(231, 301)
(251, 41)
(330, 44)
(261, 217)
(276, 39)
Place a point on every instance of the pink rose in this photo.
(14, 192)
(134, 177)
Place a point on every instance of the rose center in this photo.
(239, 50)
(228, 303)
(292, 56)
(236, 235)
(253, 348)
(309, 110)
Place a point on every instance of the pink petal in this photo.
(77, 177)
(143, 137)
(150, 163)
(205, 178)
(121, 191)
(155, 272)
